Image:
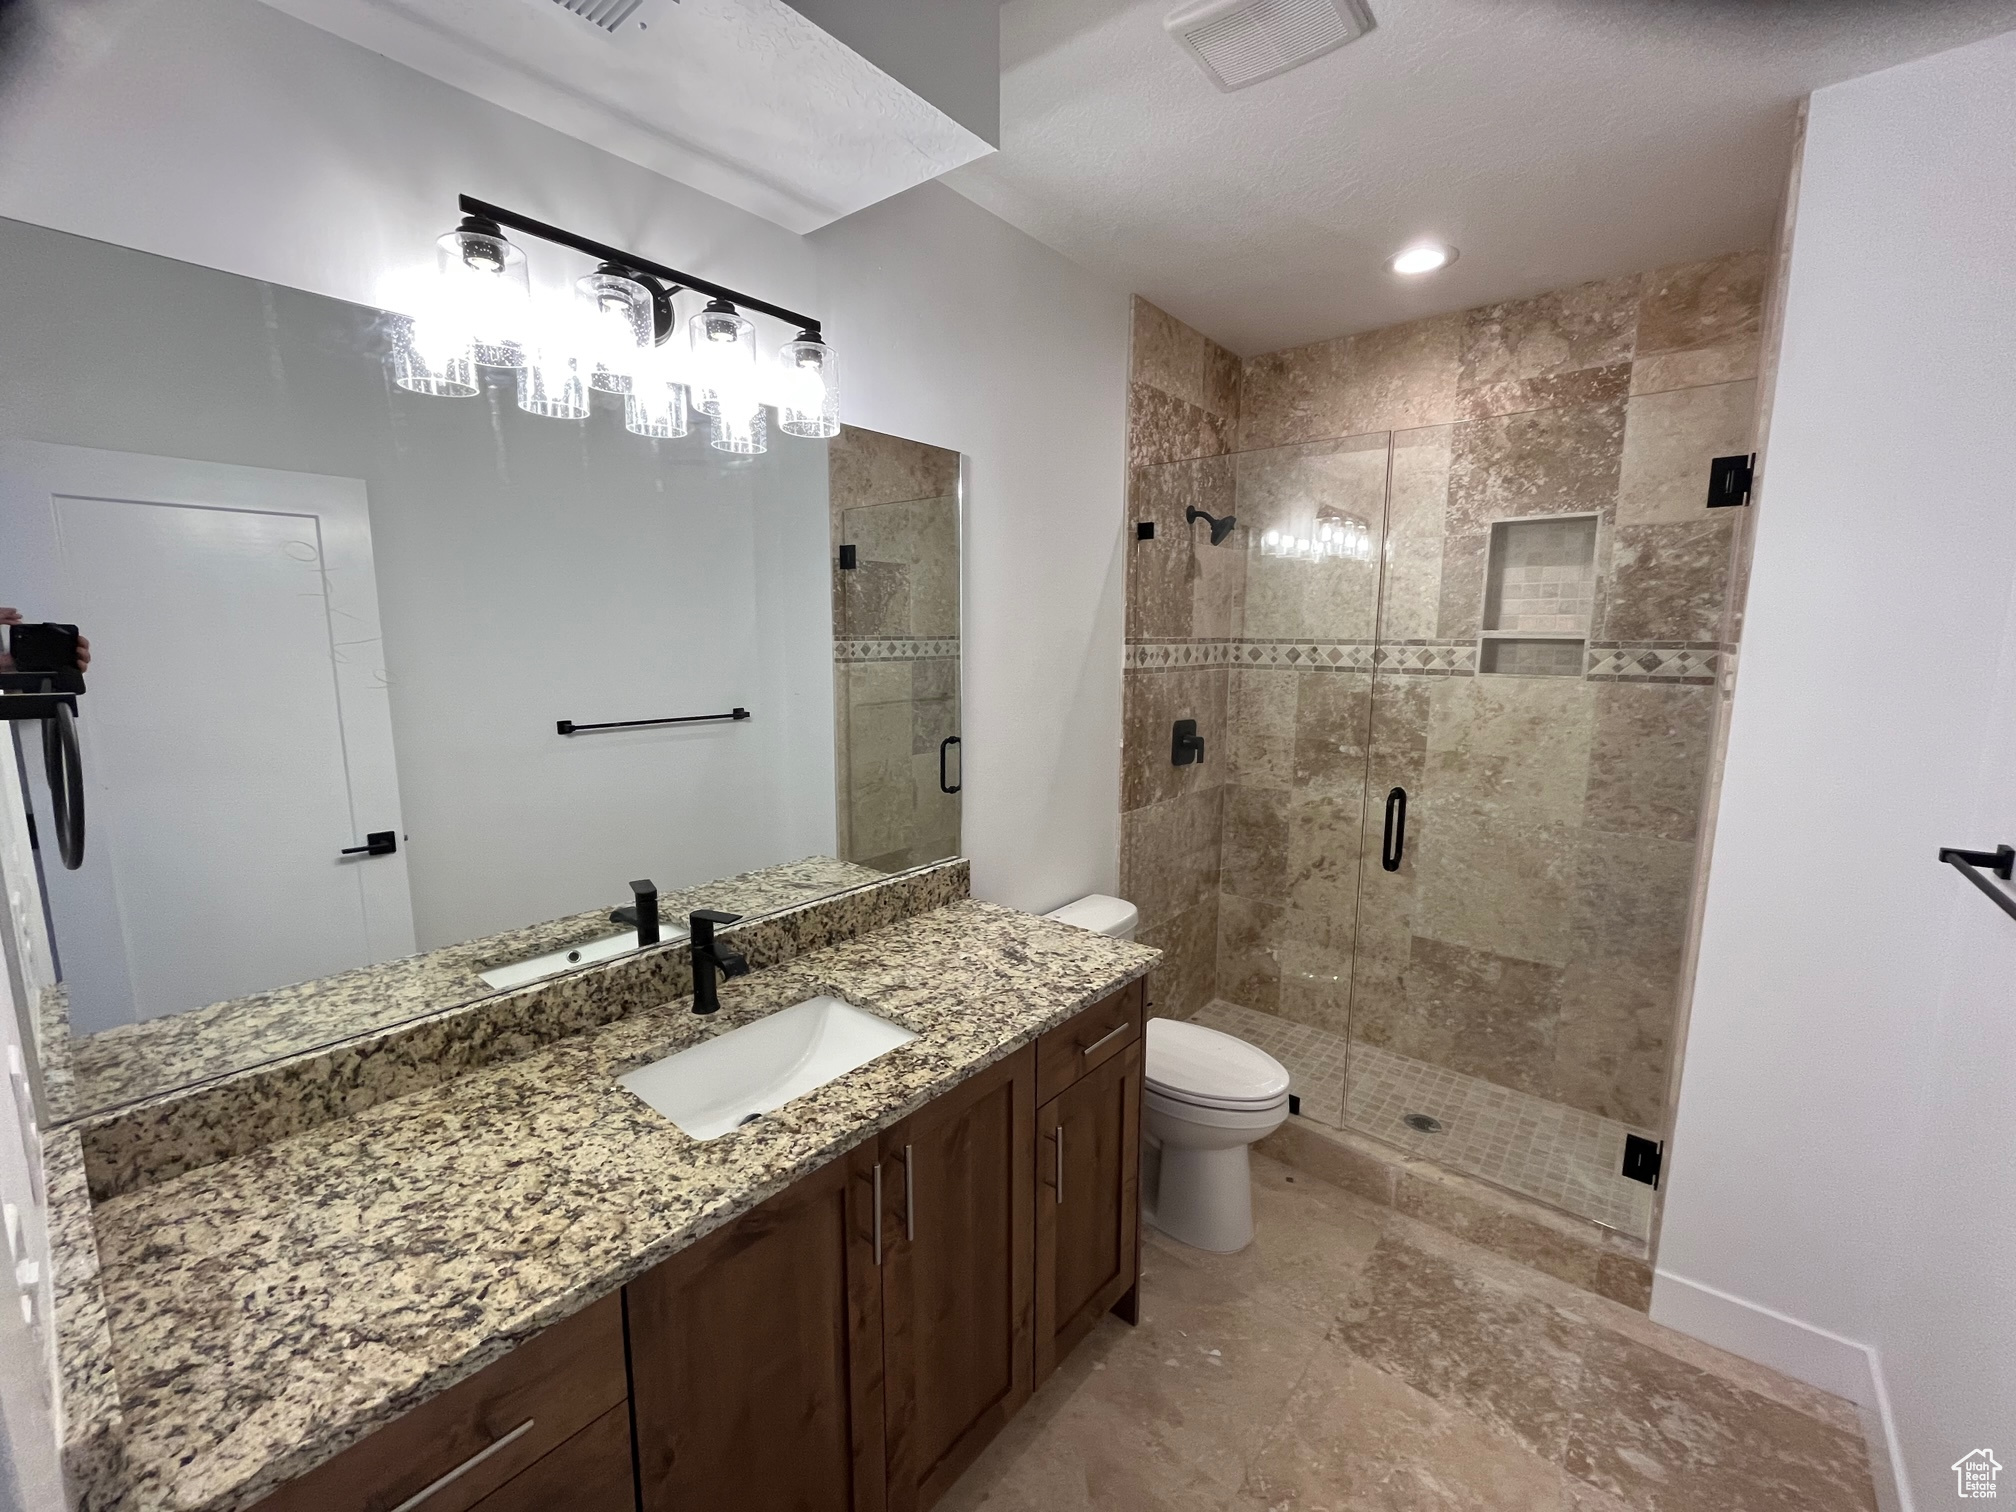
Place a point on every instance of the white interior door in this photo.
(236, 733)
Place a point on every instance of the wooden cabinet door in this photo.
(958, 1261)
(456, 1449)
(1088, 1203)
(589, 1473)
(755, 1357)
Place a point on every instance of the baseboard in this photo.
(1803, 1351)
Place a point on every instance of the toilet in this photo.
(1206, 1097)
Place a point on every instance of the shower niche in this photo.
(1539, 592)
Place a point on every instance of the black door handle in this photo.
(1393, 844)
(377, 843)
(945, 784)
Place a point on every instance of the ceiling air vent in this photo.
(611, 15)
(1241, 42)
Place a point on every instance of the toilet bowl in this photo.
(1206, 1097)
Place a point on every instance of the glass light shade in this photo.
(1270, 543)
(724, 361)
(554, 379)
(621, 332)
(743, 433)
(432, 356)
(655, 407)
(485, 281)
(808, 384)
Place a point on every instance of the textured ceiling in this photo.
(1550, 140)
(743, 99)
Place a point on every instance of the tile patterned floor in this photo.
(1559, 1155)
(1352, 1360)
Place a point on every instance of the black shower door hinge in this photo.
(1643, 1157)
(1729, 480)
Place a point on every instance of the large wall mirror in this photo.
(338, 633)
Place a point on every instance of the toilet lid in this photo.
(1198, 1065)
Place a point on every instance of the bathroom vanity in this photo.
(523, 1288)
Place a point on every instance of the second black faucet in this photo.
(709, 957)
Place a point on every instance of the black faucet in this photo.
(709, 958)
(643, 913)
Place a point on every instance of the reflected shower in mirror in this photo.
(392, 695)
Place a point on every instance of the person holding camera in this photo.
(13, 617)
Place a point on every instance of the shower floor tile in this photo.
(1556, 1154)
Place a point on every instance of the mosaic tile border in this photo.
(1408, 658)
(1700, 663)
(892, 650)
(1696, 662)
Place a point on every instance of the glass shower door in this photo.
(1497, 981)
(1299, 694)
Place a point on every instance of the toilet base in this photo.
(1203, 1198)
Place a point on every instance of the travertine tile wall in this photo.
(1533, 935)
(896, 645)
(1182, 593)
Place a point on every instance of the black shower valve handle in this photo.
(1186, 746)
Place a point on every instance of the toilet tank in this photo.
(1100, 914)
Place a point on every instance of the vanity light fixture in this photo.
(620, 334)
(486, 285)
(808, 400)
(1422, 257)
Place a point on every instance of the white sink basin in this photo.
(717, 1086)
(553, 963)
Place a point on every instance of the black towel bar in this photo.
(1970, 864)
(568, 727)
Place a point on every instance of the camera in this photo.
(45, 658)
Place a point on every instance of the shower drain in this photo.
(1422, 1123)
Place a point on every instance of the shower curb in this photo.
(1584, 1254)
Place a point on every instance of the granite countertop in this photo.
(268, 1311)
(132, 1062)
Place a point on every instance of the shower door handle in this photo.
(945, 784)
(1393, 844)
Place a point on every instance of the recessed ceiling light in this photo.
(1422, 257)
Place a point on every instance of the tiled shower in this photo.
(894, 507)
(1474, 563)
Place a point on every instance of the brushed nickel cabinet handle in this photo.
(1060, 1160)
(878, 1212)
(1118, 1029)
(909, 1196)
(465, 1467)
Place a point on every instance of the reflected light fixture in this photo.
(656, 403)
(554, 380)
(431, 355)
(619, 334)
(1422, 257)
(1331, 536)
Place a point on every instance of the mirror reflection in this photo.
(394, 700)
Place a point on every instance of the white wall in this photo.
(225, 133)
(1843, 1197)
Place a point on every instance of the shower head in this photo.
(1221, 526)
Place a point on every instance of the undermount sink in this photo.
(727, 1081)
(554, 962)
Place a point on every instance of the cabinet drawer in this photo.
(483, 1432)
(1091, 1039)
(589, 1473)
